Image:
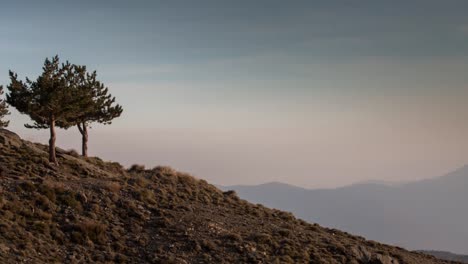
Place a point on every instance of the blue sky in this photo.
(314, 93)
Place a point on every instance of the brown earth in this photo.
(89, 211)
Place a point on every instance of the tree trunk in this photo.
(85, 140)
(83, 128)
(52, 157)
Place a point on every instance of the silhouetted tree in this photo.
(96, 104)
(48, 100)
(3, 110)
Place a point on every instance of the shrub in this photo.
(164, 170)
(142, 182)
(137, 168)
(41, 227)
(208, 245)
(233, 237)
(112, 186)
(231, 195)
(73, 153)
(27, 186)
(284, 232)
(42, 201)
(47, 191)
(287, 216)
(95, 231)
(68, 198)
(261, 238)
(43, 215)
(147, 196)
(114, 167)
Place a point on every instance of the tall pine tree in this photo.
(3, 110)
(48, 100)
(96, 104)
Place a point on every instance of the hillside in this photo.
(447, 255)
(87, 210)
(428, 214)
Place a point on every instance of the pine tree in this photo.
(48, 100)
(96, 104)
(3, 110)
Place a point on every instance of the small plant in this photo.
(233, 237)
(261, 238)
(112, 186)
(27, 186)
(3, 110)
(47, 191)
(165, 170)
(91, 230)
(146, 196)
(137, 168)
(68, 198)
(73, 153)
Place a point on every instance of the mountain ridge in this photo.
(461, 172)
(429, 213)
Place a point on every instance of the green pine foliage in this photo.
(95, 102)
(3, 110)
(48, 100)
(64, 95)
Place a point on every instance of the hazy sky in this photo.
(312, 93)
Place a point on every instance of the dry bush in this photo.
(27, 186)
(114, 167)
(164, 170)
(233, 237)
(69, 198)
(146, 196)
(142, 182)
(261, 238)
(137, 168)
(114, 187)
(208, 244)
(48, 191)
(73, 153)
(90, 229)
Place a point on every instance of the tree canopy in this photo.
(47, 100)
(95, 102)
(3, 110)
(64, 95)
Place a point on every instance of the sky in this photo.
(318, 94)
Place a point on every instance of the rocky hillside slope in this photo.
(87, 210)
(446, 255)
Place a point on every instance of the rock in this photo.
(9, 138)
(366, 256)
(384, 259)
(4, 248)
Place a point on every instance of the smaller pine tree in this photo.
(3, 110)
(95, 103)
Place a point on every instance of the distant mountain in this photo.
(446, 255)
(425, 214)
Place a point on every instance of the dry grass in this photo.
(114, 187)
